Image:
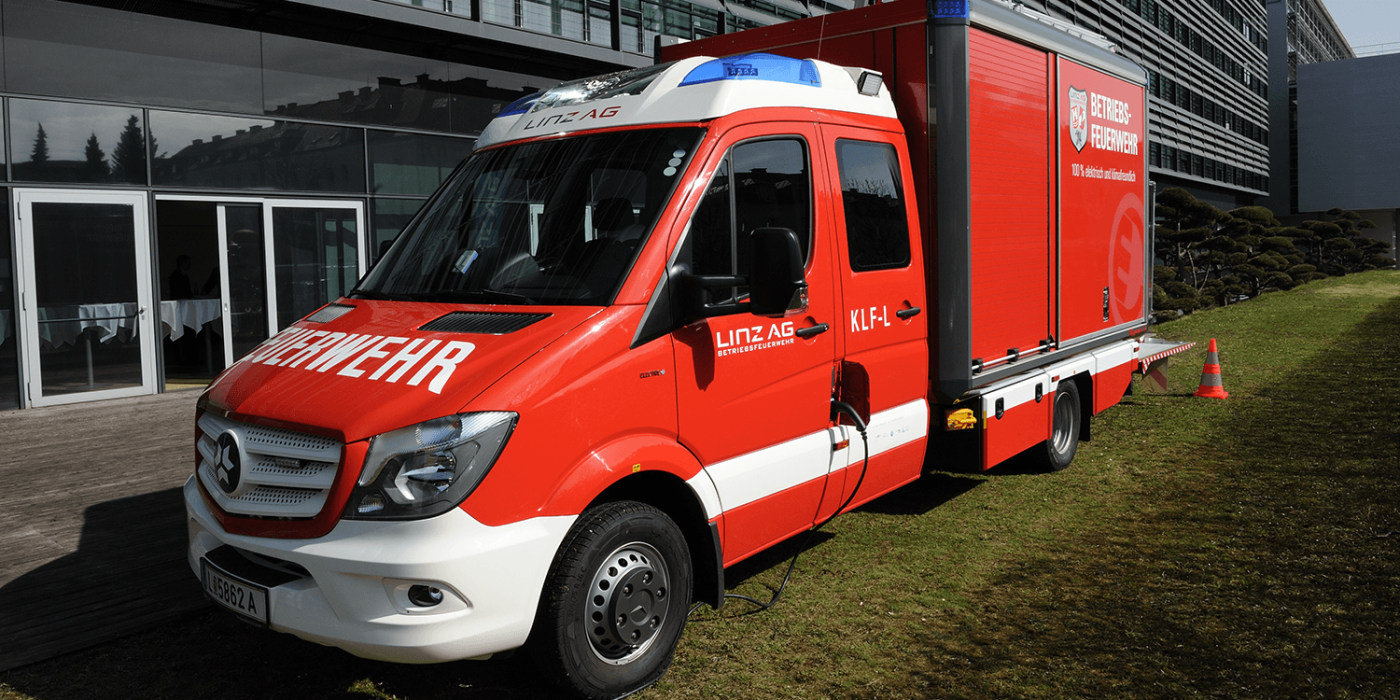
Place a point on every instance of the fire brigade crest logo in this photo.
(1078, 117)
(228, 463)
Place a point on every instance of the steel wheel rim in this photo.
(625, 608)
(1064, 423)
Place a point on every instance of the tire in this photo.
(618, 557)
(1058, 451)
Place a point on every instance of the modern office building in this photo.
(1208, 61)
(1302, 32)
(1348, 144)
(185, 177)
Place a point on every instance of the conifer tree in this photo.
(40, 154)
(129, 156)
(96, 168)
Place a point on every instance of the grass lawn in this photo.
(1240, 548)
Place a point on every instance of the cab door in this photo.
(884, 323)
(753, 392)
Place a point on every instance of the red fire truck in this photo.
(663, 319)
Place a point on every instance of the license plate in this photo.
(241, 597)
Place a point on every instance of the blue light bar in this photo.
(755, 66)
(950, 8)
(521, 105)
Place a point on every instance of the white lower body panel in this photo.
(355, 596)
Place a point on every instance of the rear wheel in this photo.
(1058, 451)
(614, 603)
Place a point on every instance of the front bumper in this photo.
(352, 582)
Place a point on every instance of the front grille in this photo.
(281, 474)
(489, 323)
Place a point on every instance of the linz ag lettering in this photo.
(556, 119)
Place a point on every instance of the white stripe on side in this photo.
(1020, 389)
(704, 488)
(887, 430)
(747, 478)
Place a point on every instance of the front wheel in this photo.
(614, 603)
(1058, 451)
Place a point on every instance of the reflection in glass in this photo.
(247, 280)
(86, 294)
(326, 82)
(64, 142)
(389, 217)
(877, 228)
(196, 150)
(315, 80)
(404, 163)
(545, 222)
(9, 343)
(316, 258)
(90, 52)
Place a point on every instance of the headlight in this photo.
(428, 469)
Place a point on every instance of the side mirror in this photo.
(778, 284)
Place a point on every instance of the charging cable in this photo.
(838, 407)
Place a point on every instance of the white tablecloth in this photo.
(177, 315)
(61, 325)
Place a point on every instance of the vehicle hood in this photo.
(375, 368)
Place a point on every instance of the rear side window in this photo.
(877, 230)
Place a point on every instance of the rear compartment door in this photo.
(884, 322)
(1103, 168)
(754, 393)
(1012, 236)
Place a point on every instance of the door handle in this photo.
(810, 331)
(909, 312)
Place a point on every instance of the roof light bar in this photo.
(521, 105)
(755, 66)
(951, 8)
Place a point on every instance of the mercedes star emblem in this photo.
(227, 463)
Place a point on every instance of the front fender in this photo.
(621, 458)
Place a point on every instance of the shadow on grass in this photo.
(924, 495)
(1264, 567)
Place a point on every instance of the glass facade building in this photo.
(184, 180)
(236, 164)
(1207, 62)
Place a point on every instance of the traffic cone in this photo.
(1211, 385)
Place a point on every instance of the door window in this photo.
(877, 228)
(771, 186)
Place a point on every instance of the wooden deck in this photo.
(92, 523)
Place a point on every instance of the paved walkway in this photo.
(92, 523)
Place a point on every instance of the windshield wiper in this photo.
(382, 296)
(481, 295)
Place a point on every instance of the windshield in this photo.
(548, 222)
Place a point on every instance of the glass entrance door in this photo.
(316, 255)
(278, 260)
(243, 246)
(85, 295)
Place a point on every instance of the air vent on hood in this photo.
(330, 313)
(482, 322)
